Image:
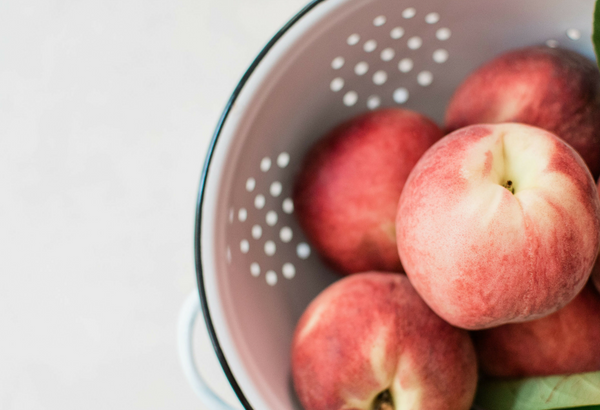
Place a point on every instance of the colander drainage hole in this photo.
(265, 164)
(397, 33)
(259, 201)
(276, 189)
(405, 65)
(387, 54)
(440, 56)
(443, 34)
(242, 214)
(380, 77)
(361, 68)
(288, 270)
(401, 95)
(250, 184)
(271, 277)
(303, 250)
(286, 234)
(338, 63)
(256, 231)
(409, 13)
(254, 269)
(432, 18)
(270, 248)
(415, 43)
(353, 39)
(373, 102)
(283, 159)
(424, 78)
(336, 84)
(244, 246)
(573, 34)
(370, 46)
(288, 205)
(271, 218)
(379, 21)
(350, 98)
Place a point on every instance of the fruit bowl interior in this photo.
(256, 270)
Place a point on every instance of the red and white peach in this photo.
(369, 342)
(554, 89)
(346, 194)
(596, 270)
(498, 224)
(565, 342)
(596, 275)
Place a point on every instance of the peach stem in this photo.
(509, 185)
(383, 401)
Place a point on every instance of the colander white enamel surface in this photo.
(335, 59)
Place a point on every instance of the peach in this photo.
(596, 269)
(498, 224)
(596, 274)
(565, 342)
(369, 342)
(554, 89)
(346, 194)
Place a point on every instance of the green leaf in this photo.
(596, 31)
(541, 393)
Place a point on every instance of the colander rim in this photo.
(200, 199)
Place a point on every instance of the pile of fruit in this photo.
(467, 253)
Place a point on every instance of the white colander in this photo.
(335, 59)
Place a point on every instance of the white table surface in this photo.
(106, 111)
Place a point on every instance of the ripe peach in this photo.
(565, 342)
(369, 342)
(596, 278)
(498, 224)
(346, 194)
(554, 89)
(596, 269)
(596, 274)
